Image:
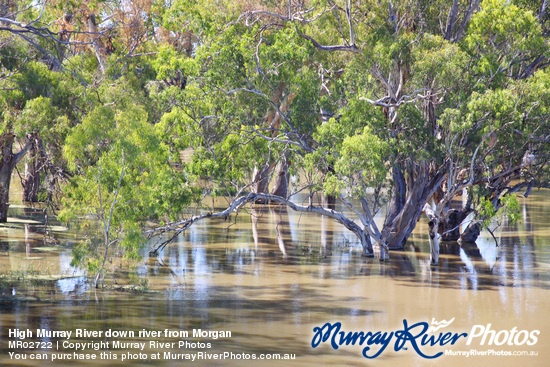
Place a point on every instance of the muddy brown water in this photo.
(272, 276)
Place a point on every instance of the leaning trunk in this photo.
(411, 200)
(471, 233)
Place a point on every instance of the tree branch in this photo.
(182, 225)
(342, 48)
(19, 155)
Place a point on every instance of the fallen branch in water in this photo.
(179, 227)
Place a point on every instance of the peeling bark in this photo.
(433, 231)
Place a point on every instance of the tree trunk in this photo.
(397, 200)
(366, 244)
(328, 200)
(261, 181)
(408, 203)
(434, 229)
(31, 182)
(471, 233)
(282, 179)
(7, 164)
(434, 242)
(5, 178)
(449, 228)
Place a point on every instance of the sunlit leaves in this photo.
(503, 36)
(364, 156)
(439, 64)
(169, 62)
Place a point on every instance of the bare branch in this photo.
(451, 19)
(474, 5)
(261, 94)
(350, 24)
(351, 48)
(387, 101)
(181, 226)
(19, 155)
(542, 12)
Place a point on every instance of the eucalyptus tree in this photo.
(122, 177)
(49, 78)
(363, 92)
(39, 93)
(403, 105)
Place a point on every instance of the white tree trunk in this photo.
(434, 243)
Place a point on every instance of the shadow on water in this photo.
(508, 260)
(270, 275)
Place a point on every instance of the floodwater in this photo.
(271, 276)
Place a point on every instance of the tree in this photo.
(48, 80)
(122, 175)
(393, 107)
(406, 99)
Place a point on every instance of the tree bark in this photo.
(449, 227)
(282, 179)
(5, 178)
(434, 242)
(261, 181)
(397, 200)
(408, 203)
(31, 182)
(433, 231)
(471, 233)
(8, 162)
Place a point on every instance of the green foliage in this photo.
(236, 92)
(501, 35)
(363, 159)
(123, 178)
(512, 208)
(487, 211)
(169, 62)
(508, 206)
(439, 63)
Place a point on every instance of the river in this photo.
(270, 277)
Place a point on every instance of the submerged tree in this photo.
(123, 177)
(392, 107)
(353, 94)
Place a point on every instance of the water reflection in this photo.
(270, 275)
